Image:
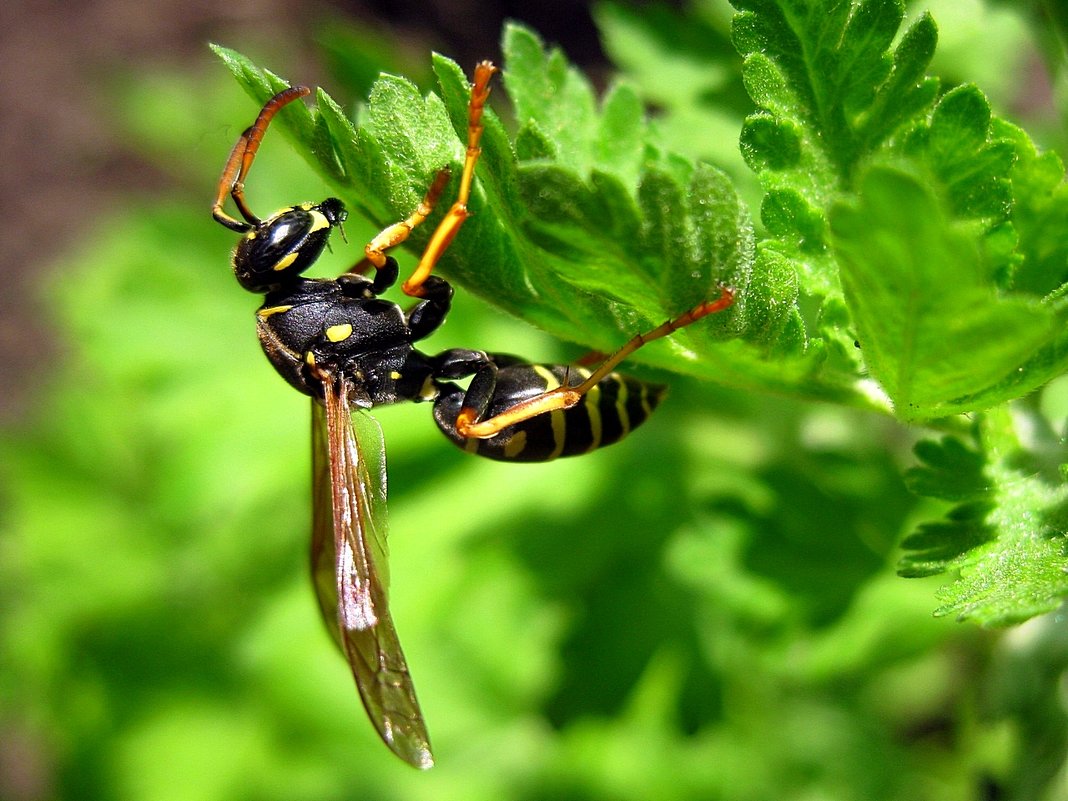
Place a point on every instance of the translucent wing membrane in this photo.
(348, 564)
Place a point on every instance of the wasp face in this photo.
(278, 249)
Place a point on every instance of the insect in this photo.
(338, 341)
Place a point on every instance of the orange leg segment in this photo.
(398, 232)
(564, 397)
(457, 214)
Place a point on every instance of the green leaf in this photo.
(582, 227)
(958, 147)
(1009, 535)
(842, 93)
(930, 324)
(951, 470)
(830, 92)
(684, 65)
(1039, 215)
(907, 92)
(935, 545)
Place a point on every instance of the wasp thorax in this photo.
(280, 248)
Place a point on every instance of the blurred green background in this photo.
(708, 610)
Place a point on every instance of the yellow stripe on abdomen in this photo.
(556, 417)
(621, 407)
(592, 401)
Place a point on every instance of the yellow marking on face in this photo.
(339, 333)
(393, 374)
(319, 221)
(515, 445)
(285, 261)
(309, 359)
(263, 314)
(556, 417)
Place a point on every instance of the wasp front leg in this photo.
(239, 162)
(397, 233)
(417, 285)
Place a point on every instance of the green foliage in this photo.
(929, 322)
(921, 226)
(906, 219)
(584, 207)
(709, 610)
(1007, 535)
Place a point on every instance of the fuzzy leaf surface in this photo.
(1008, 534)
(579, 226)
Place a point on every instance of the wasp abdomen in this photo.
(615, 406)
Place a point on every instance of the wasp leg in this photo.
(398, 232)
(357, 285)
(457, 214)
(428, 314)
(459, 363)
(470, 424)
(239, 162)
(390, 237)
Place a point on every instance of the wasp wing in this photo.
(349, 563)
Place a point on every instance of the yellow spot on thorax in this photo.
(263, 314)
(339, 333)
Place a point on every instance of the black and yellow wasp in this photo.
(338, 341)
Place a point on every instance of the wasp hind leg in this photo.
(469, 422)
